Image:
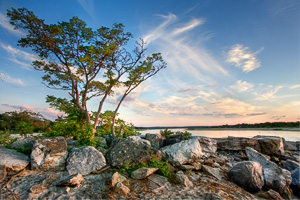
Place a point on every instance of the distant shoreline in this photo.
(220, 129)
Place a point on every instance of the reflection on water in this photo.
(287, 135)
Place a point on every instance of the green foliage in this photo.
(24, 128)
(65, 128)
(87, 139)
(15, 120)
(25, 149)
(5, 138)
(163, 167)
(169, 134)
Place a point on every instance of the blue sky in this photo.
(228, 61)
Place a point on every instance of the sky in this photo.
(228, 61)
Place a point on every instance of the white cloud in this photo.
(15, 81)
(295, 86)
(267, 93)
(242, 86)
(21, 58)
(4, 22)
(241, 57)
(88, 6)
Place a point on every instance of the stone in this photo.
(3, 172)
(117, 178)
(197, 165)
(208, 145)
(72, 180)
(291, 165)
(248, 175)
(158, 183)
(173, 140)
(212, 171)
(13, 160)
(186, 151)
(270, 194)
(37, 189)
(49, 154)
(275, 177)
(85, 160)
(27, 142)
(295, 186)
(270, 145)
(102, 142)
(291, 145)
(121, 189)
(131, 151)
(187, 167)
(156, 140)
(236, 143)
(183, 179)
(143, 173)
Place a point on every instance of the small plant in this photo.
(25, 149)
(185, 134)
(169, 134)
(5, 139)
(166, 133)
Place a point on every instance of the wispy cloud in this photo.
(48, 113)
(19, 57)
(266, 93)
(4, 22)
(242, 86)
(185, 55)
(88, 6)
(15, 81)
(295, 86)
(240, 56)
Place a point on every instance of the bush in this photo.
(5, 138)
(169, 134)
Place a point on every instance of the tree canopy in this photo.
(85, 62)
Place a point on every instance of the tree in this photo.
(84, 62)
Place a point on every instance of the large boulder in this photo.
(292, 145)
(186, 151)
(248, 175)
(131, 151)
(236, 143)
(270, 145)
(211, 171)
(294, 168)
(13, 160)
(275, 177)
(27, 142)
(85, 160)
(208, 145)
(156, 140)
(183, 179)
(49, 154)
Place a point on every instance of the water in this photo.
(287, 135)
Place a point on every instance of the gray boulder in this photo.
(270, 145)
(72, 180)
(211, 171)
(236, 143)
(292, 145)
(294, 168)
(13, 160)
(183, 179)
(156, 140)
(27, 142)
(49, 154)
(131, 151)
(143, 173)
(248, 175)
(275, 177)
(186, 151)
(208, 145)
(85, 160)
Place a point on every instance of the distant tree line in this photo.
(263, 125)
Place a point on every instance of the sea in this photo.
(288, 135)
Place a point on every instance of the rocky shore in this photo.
(238, 168)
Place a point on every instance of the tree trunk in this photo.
(115, 115)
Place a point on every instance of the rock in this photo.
(183, 179)
(270, 145)
(292, 145)
(143, 173)
(248, 175)
(121, 189)
(270, 194)
(211, 171)
(13, 160)
(222, 160)
(236, 143)
(37, 189)
(186, 151)
(208, 145)
(196, 165)
(131, 151)
(156, 140)
(2, 172)
(71, 143)
(102, 142)
(275, 177)
(27, 142)
(117, 178)
(85, 160)
(158, 183)
(72, 180)
(291, 165)
(49, 154)
(187, 167)
(296, 181)
(173, 139)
